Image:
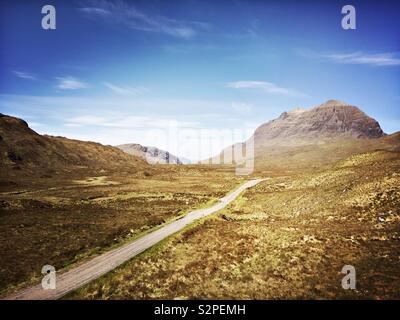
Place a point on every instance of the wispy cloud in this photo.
(126, 90)
(264, 86)
(381, 59)
(241, 107)
(128, 122)
(70, 83)
(24, 75)
(95, 11)
(128, 15)
(376, 59)
(85, 120)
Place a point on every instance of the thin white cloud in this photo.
(128, 122)
(264, 86)
(128, 15)
(70, 83)
(241, 107)
(126, 90)
(24, 75)
(95, 11)
(380, 59)
(376, 59)
(86, 120)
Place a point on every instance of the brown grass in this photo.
(287, 238)
(59, 222)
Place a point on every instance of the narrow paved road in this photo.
(93, 269)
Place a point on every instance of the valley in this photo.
(287, 238)
(185, 152)
(61, 222)
(329, 197)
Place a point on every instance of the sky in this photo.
(193, 76)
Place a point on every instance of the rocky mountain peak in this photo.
(333, 119)
(333, 103)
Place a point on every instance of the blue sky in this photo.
(124, 71)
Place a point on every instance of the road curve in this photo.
(100, 265)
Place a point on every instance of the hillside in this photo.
(23, 151)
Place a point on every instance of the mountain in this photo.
(330, 120)
(23, 151)
(312, 137)
(152, 155)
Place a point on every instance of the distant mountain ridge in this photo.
(152, 155)
(298, 138)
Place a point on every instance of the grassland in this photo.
(64, 220)
(288, 238)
